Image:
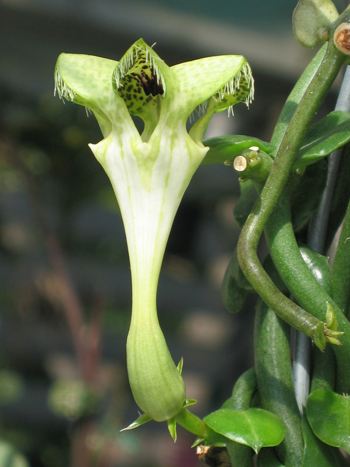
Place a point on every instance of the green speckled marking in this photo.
(139, 85)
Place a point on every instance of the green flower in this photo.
(149, 173)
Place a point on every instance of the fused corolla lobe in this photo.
(141, 83)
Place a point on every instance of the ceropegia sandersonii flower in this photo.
(149, 173)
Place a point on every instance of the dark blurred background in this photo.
(64, 273)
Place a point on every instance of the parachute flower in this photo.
(150, 171)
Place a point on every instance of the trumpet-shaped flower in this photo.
(150, 172)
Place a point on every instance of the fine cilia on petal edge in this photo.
(149, 173)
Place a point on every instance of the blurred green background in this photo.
(64, 273)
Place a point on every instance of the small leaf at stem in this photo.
(180, 365)
(141, 420)
(172, 429)
(256, 428)
(189, 403)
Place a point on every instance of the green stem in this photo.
(302, 284)
(243, 391)
(278, 178)
(274, 377)
(340, 272)
(192, 423)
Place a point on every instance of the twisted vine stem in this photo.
(285, 156)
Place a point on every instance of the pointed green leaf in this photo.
(141, 420)
(256, 428)
(325, 137)
(329, 416)
(224, 149)
(189, 403)
(172, 429)
(180, 365)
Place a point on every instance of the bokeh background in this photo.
(64, 273)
